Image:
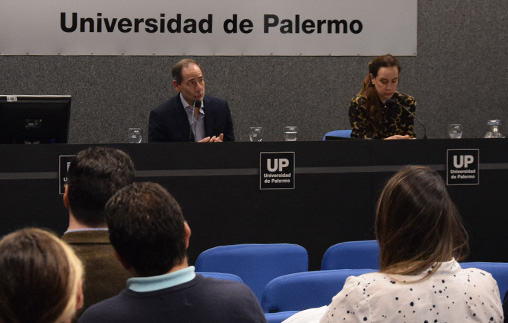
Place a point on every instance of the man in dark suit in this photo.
(190, 115)
(94, 175)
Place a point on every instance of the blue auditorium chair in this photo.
(352, 255)
(338, 133)
(255, 264)
(300, 291)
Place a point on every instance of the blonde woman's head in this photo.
(40, 278)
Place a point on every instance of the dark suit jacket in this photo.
(105, 277)
(169, 123)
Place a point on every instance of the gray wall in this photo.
(459, 75)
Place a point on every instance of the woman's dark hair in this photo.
(417, 224)
(374, 108)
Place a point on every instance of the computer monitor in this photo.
(34, 119)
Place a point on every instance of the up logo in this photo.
(276, 164)
(277, 170)
(462, 161)
(64, 161)
(463, 167)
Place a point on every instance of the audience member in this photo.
(505, 304)
(377, 112)
(40, 278)
(150, 237)
(94, 175)
(421, 237)
(191, 115)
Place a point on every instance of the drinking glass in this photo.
(494, 129)
(455, 130)
(290, 133)
(135, 136)
(256, 134)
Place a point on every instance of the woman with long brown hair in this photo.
(377, 112)
(421, 238)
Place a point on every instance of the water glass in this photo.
(290, 133)
(494, 129)
(135, 136)
(455, 130)
(256, 134)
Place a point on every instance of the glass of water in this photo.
(494, 129)
(135, 136)
(290, 133)
(455, 130)
(256, 134)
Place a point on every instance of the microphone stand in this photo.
(391, 103)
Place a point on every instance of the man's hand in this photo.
(213, 139)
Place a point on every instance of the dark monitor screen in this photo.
(34, 119)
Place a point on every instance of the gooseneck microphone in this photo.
(196, 105)
(391, 103)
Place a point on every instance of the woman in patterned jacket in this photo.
(379, 111)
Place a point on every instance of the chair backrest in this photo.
(300, 291)
(224, 276)
(352, 255)
(338, 133)
(498, 270)
(256, 264)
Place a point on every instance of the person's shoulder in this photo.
(482, 285)
(400, 95)
(169, 104)
(86, 236)
(214, 100)
(227, 290)
(69, 237)
(477, 274)
(368, 276)
(358, 102)
(104, 311)
(359, 99)
(377, 280)
(221, 284)
(404, 98)
(353, 282)
(232, 294)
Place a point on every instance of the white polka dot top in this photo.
(451, 294)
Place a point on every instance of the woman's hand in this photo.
(396, 137)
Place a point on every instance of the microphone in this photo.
(196, 105)
(391, 103)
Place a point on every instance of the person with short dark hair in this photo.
(371, 115)
(94, 175)
(40, 278)
(421, 238)
(150, 236)
(191, 115)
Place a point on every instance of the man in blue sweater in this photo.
(150, 238)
